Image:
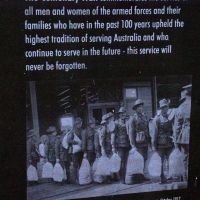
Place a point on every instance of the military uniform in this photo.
(78, 156)
(62, 154)
(97, 145)
(90, 144)
(32, 153)
(161, 139)
(122, 145)
(51, 148)
(51, 144)
(139, 133)
(106, 141)
(182, 123)
(182, 129)
(44, 140)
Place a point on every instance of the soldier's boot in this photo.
(108, 179)
(122, 181)
(122, 177)
(163, 179)
(146, 174)
(181, 178)
(145, 178)
(77, 177)
(68, 176)
(115, 177)
(185, 177)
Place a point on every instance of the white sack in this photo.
(58, 173)
(135, 163)
(154, 167)
(96, 178)
(176, 164)
(103, 166)
(32, 173)
(85, 173)
(47, 171)
(115, 163)
(42, 150)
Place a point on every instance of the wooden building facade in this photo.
(47, 101)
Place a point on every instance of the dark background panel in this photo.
(13, 95)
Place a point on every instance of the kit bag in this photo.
(47, 171)
(154, 167)
(85, 176)
(135, 167)
(76, 147)
(65, 142)
(96, 178)
(72, 173)
(40, 167)
(42, 150)
(115, 163)
(32, 173)
(176, 163)
(103, 166)
(58, 173)
(135, 163)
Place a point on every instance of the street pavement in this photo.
(53, 191)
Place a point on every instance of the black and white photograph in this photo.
(104, 137)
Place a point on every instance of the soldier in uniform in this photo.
(90, 141)
(31, 146)
(44, 140)
(109, 129)
(102, 130)
(182, 125)
(120, 142)
(62, 154)
(97, 145)
(52, 135)
(138, 130)
(162, 135)
(77, 139)
(105, 139)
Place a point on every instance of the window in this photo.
(66, 121)
(97, 115)
(130, 93)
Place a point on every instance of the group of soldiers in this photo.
(162, 134)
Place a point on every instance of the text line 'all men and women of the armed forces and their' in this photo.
(169, 129)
